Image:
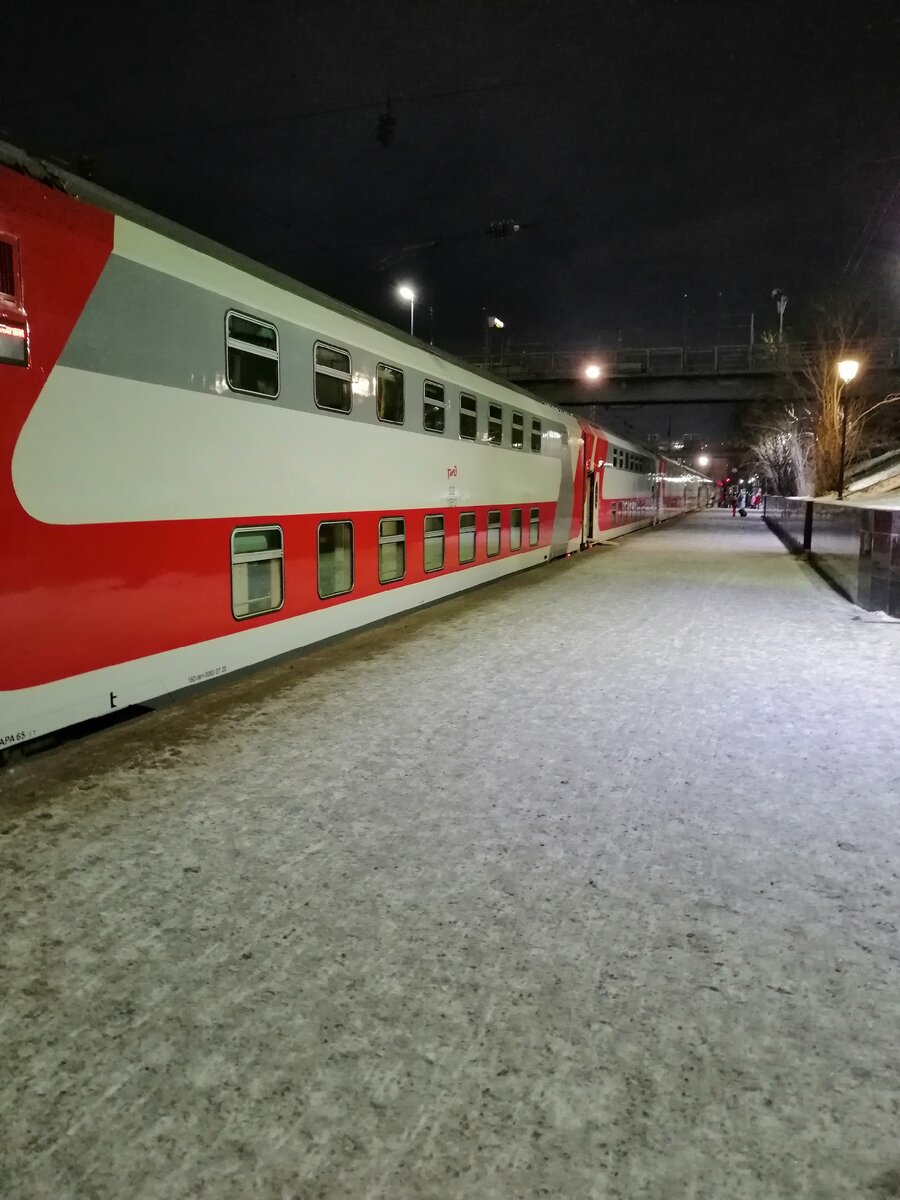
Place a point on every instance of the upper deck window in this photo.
(518, 431)
(252, 357)
(8, 289)
(495, 424)
(333, 378)
(389, 394)
(468, 417)
(433, 412)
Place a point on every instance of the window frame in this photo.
(518, 546)
(537, 427)
(439, 404)
(466, 396)
(391, 539)
(346, 591)
(459, 532)
(13, 298)
(494, 525)
(332, 373)
(520, 417)
(397, 371)
(433, 535)
(495, 424)
(232, 343)
(257, 556)
(534, 517)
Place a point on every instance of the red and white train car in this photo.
(205, 465)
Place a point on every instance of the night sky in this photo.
(669, 162)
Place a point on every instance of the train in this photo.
(206, 466)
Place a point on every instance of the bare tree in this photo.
(799, 441)
(779, 441)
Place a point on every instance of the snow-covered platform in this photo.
(586, 885)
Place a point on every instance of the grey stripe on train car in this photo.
(149, 326)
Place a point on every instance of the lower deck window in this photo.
(257, 571)
(434, 543)
(534, 532)
(391, 549)
(335, 560)
(466, 537)
(493, 534)
(515, 529)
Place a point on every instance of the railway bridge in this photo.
(716, 374)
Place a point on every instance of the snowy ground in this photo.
(583, 886)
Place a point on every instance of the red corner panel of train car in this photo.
(52, 251)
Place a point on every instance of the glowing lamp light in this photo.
(848, 369)
(703, 460)
(592, 371)
(405, 292)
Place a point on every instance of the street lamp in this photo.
(703, 460)
(848, 369)
(592, 371)
(405, 292)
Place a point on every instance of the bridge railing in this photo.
(677, 360)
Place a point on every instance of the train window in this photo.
(495, 424)
(434, 543)
(515, 529)
(252, 355)
(335, 558)
(612, 513)
(466, 537)
(518, 431)
(333, 378)
(433, 412)
(257, 571)
(534, 532)
(391, 549)
(493, 534)
(536, 437)
(13, 344)
(389, 394)
(468, 417)
(8, 289)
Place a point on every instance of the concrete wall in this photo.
(857, 549)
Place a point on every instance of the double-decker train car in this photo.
(205, 465)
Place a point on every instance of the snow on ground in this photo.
(585, 885)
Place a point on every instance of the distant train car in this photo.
(206, 465)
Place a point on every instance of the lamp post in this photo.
(781, 304)
(405, 292)
(847, 369)
(489, 324)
